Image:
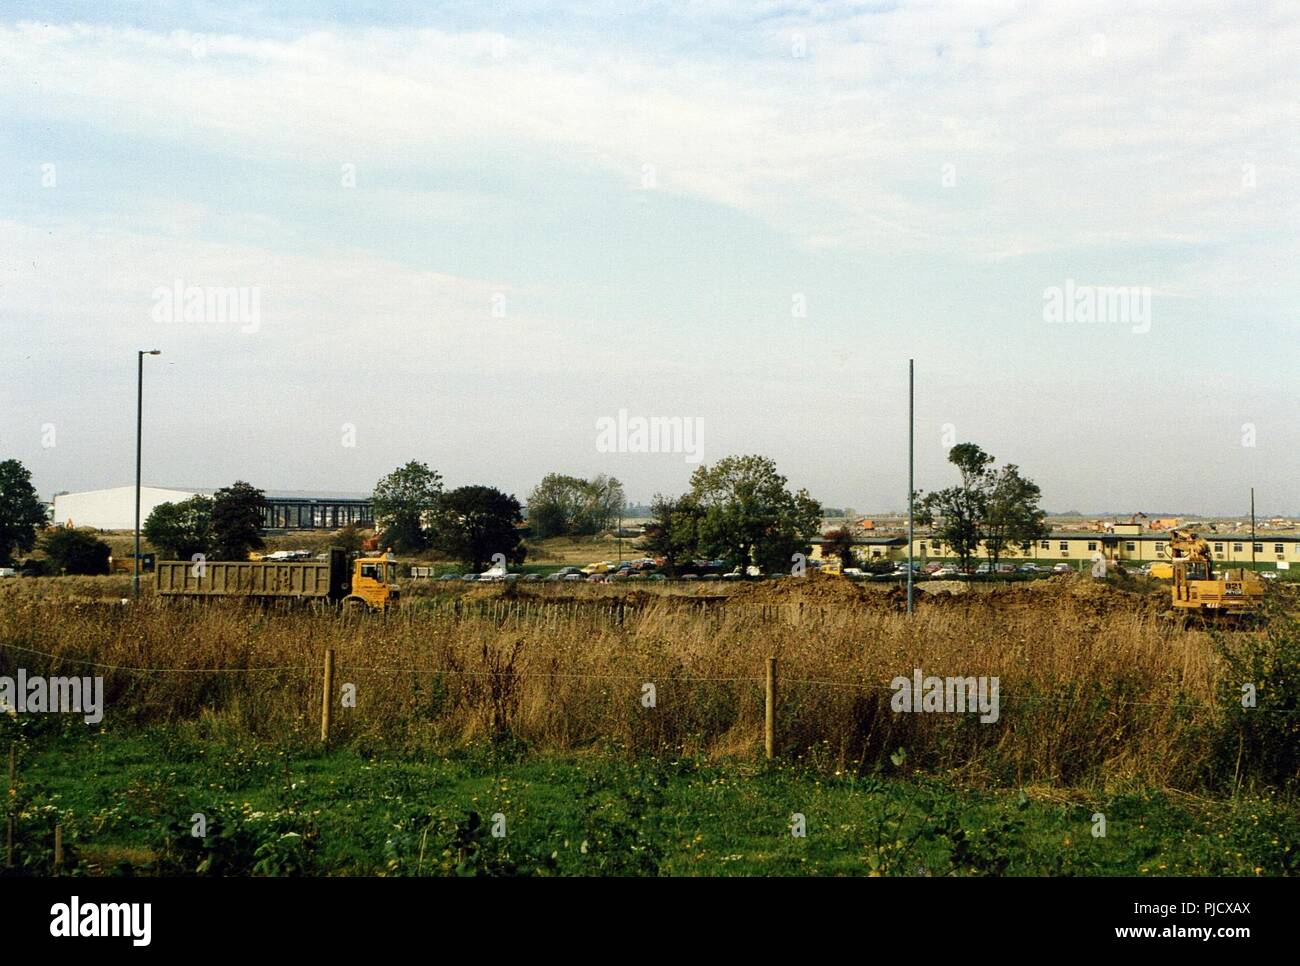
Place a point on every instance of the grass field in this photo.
(127, 804)
(538, 698)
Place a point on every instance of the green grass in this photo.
(126, 802)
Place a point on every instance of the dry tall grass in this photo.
(1085, 699)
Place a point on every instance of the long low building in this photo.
(114, 508)
(1075, 546)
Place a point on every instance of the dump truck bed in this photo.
(307, 579)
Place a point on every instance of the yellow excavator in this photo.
(1232, 594)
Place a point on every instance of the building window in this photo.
(1092, 544)
(1277, 548)
(1065, 545)
(1236, 548)
(1160, 547)
(1130, 546)
(1045, 545)
(1257, 547)
(1218, 548)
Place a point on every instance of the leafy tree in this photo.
(673, 531)
(1012, 516)
(21, 512)
(475, 522)
(403, 501)
(996, 508)
(350, 538)
(76, 551)
(605, 502)
(839, 543)
(237, 521)
(568, 506)
(956, 513)
(180, 530)
(749, 516)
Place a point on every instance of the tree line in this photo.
(739, 510)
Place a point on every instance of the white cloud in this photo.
(1052, 141)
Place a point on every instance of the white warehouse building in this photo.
(114, 509)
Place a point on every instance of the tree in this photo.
(673, 531)
(749, 517)
(1012, 516)
(839, 543)
(568, 506)
(76, 552)
(350, 538)
(180, 530)
(956, 513)
(605, 502)
(403, 501)
(996, 508)
(473, 523)
(21, 512)
(237, 521)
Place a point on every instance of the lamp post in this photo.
(139, 410)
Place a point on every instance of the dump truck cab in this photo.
(374, 582)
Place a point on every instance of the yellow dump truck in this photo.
(368, 583)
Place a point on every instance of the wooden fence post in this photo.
(11, 803)
(769, 716)
(326, 702)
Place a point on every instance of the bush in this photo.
(77, 552)
(1260, 741)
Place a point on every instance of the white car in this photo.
(8, 572)
(1264, 575)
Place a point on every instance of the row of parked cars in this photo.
(948, 571)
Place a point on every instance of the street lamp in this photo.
(139, 407)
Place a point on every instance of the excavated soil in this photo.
(1082, 595)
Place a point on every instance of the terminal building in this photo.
(287, 510)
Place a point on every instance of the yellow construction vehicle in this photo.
(1197, 589)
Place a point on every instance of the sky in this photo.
(473, 234)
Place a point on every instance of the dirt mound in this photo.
(814, 588)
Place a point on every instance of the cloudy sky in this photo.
(468, 233)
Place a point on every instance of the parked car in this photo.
(690, 576)
(531, 578)
(450, 577)
(1062, 568)
(8, 572)
(855, 573)
(469, 578)
(1268, 575)
(572, 578)
(1031, 568)
(932, 568)
(946, 573)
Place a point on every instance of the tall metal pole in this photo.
(139, 410)
(139, 407)
(1252, 528)
(911, 489)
